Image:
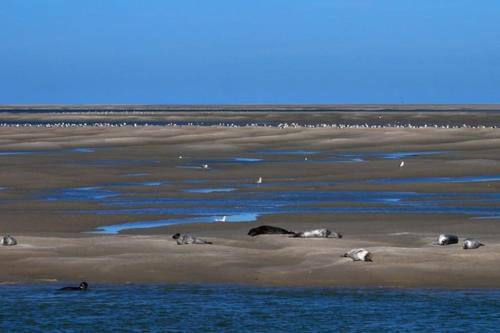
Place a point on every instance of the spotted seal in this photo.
(83, 286)
(470, 244)
(187, 239)
(359, 255)
(268, 230)
(317, 233)
(8, 240)
(445, 239)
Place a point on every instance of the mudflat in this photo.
(45, 171)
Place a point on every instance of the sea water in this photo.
(232, 308)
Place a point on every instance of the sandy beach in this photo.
(56, 242)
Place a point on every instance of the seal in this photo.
(359, 255)
(8, 240)
(317, 233)
(187, 239)
(83, 286)
(445, 239)
(268, 230)
(470, 244)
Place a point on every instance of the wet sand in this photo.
(54, 243)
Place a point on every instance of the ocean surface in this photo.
(223, 308)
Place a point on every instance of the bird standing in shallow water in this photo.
(222, 220)
(259, 181)
(402, 164)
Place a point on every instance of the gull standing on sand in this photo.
(205, 166)
(259, 181)
(402, 164)
(222, 220)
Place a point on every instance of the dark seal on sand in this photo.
(268, 230)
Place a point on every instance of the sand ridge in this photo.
(53, 244)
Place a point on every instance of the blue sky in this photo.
(242, 51)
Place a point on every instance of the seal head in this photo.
(83, 286)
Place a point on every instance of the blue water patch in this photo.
(113, 163)
(195, 181)
(116, 228)
(437, 180)
(247, 159)
(80, 194)
(83, 150)
(209, 190)
(19, 152)
(145, 183)
(137, 174)
(233, 308)
(346, 158)
(286, 152)
(276, 202)
(406, 154)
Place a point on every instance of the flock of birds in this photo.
(280, 125)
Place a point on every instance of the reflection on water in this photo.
(231, 308)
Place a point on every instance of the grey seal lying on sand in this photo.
(444, 239)
(83, 286)
(268, 230)
(472, 244)
(8, 240)
(317, 233)
(186, 239)
(359, 255)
